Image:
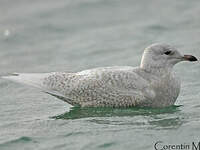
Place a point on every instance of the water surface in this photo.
(67, 35)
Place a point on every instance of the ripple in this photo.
(16, 142)
(167, 123)
(106, 145)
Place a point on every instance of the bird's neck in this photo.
(157, 70)
(155, 67)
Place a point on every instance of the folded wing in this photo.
(100, 87)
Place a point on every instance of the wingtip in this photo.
(14, 74)
(6, 76)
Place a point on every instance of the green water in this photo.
(66, 35)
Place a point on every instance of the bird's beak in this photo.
(189, 58)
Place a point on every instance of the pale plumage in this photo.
(152, 84)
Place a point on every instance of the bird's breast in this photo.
(166, 91)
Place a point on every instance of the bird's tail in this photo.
(37, 80)
(31, 79)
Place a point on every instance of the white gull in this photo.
(152, 84)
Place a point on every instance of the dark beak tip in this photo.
(190, 58)
(193, 59)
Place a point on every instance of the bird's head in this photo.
(162, 56)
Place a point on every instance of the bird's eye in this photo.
(168, 52)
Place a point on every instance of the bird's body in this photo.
(115, 87)
(120, 86)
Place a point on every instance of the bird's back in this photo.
(109, 86)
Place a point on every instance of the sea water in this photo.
(73, 35)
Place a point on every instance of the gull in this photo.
(152, 84)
